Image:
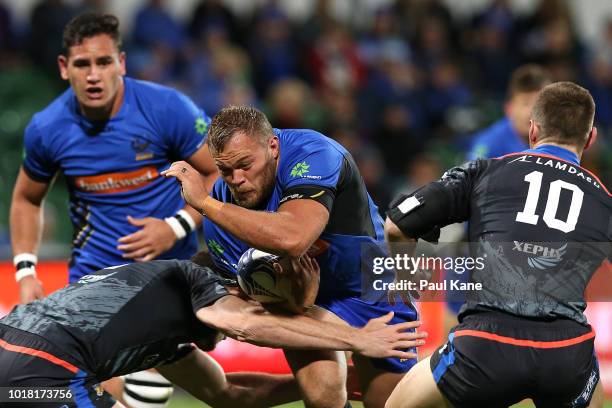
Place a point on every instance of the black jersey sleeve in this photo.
(319, 194)
(206, 286)
(436, 204)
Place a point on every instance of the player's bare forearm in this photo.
(252, 324)
(26, 215)
(26, 226)
(246, 322)
(197, 217)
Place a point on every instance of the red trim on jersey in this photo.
(556, 158)
(526, 343)
(40, 354)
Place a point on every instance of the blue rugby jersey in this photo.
(113, 167)
(498, 139)
(354, 232)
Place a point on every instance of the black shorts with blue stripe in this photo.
(493, 359)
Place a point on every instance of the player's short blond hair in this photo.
(232, 120)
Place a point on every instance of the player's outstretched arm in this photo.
(26, 222)
(251, 323)
(204, 378)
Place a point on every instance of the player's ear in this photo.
(122, 70)
(533, 132)
(591, 138)
(62, 63)
(274, 146)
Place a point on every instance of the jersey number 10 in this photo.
(528, 215)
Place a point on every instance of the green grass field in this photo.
(182, 401)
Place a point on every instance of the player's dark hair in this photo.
(527, 79)
(88, 25)
(564, 112)
(232, 119)
(202, 258)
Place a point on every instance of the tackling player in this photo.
(142, 315)
(288, 192)
(524, 335)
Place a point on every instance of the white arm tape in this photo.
(29, 270)
(187, 218)
(25, 257)
(176, 226)
(23, 272)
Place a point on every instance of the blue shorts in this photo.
(358, 312)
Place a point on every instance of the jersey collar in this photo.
(556, 151)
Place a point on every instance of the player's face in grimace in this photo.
(248, 166)
(94, 69)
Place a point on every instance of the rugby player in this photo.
(142, 315)
(524, 335)
(288, 192)
(511, 133)
(110, 136)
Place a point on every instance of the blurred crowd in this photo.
(404, 88)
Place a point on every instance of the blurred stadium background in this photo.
(403, 84)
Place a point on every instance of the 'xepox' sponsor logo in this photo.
(543, 257)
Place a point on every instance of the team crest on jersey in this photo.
(140, 146)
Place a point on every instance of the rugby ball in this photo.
(258, 279)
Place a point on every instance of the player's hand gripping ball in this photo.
(260, 281)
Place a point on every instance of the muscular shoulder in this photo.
(307, 154)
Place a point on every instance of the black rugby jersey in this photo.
(542, 224)
(124, 319)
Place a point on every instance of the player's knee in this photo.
(327, 393)
(147, 389)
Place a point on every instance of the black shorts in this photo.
(29, 361)
(495, 360)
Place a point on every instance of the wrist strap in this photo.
(176, 226)
(23, 272)
(181, 223)
(187, 222)
(25, 264)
